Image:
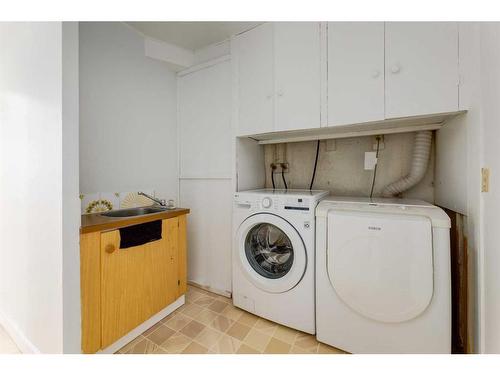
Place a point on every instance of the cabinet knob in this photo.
(395, 69)
(110, 248)
(375, 73)
(269, 96)
(280, 93)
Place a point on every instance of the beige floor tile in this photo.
(221, 323)
(192, 329)
(264, 323)
(159, 350)
(266, 326)
(208, 337)
(257, 339)
(169, 316)
(129, 346)
(206, 317)
(217, 306)
(276, 346)
(248, 319)
(160, 335)
(299, 350)
(238, 330)
(153, 328)
(229, 301)
(192, 310)
(306, 342)
(204, 301)
(176, 343)
(178, 322)
(245, 349)
(226, 345)
(195, 348)
(232, 312)
(285, 334)
(209, 323)
(143, 346)
(327, 349)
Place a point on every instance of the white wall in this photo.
(31, 210)
(490, 112)
(70, 191)
(128, 138)
(341, 170)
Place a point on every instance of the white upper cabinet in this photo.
(297, 75)
(304, 75)
(421, 62)
(355, 72)
(278, 77)
(255, 59)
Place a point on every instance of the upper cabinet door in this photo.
(421, 60)
(355, 72)
(297, 75)
(254, 53)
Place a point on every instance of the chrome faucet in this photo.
(161, 202)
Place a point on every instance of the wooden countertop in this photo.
(98, 223)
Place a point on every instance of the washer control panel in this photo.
(275, 203)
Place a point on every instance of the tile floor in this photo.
(7, 346)
(209, 323)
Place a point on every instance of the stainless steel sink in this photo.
(134, 211)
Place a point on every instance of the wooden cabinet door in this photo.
(355, 72)
(421, 60)
(137, 282)
(297, 75)
(254, 56)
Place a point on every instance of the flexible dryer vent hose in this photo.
(421, 153)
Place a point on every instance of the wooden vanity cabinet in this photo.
(122, 288)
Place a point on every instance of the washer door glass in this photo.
(269, 251)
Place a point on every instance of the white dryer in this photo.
(273, 255)
(383, 276)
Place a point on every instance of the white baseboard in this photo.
(22, 342)
(120, 343)
(209, 289)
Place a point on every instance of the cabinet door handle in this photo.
(395, 69)
(375, 73)
(110, 248)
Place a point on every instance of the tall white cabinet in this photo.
(278, 77)
(421, 60)
(206, 158)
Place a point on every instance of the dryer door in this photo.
(270, 253)
(381, 265)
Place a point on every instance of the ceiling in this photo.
(191, 35)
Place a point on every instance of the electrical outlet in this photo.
(370, 160)
(485, 180)
(284, 167)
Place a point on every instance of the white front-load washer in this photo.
(383, 276)
(273, 255)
